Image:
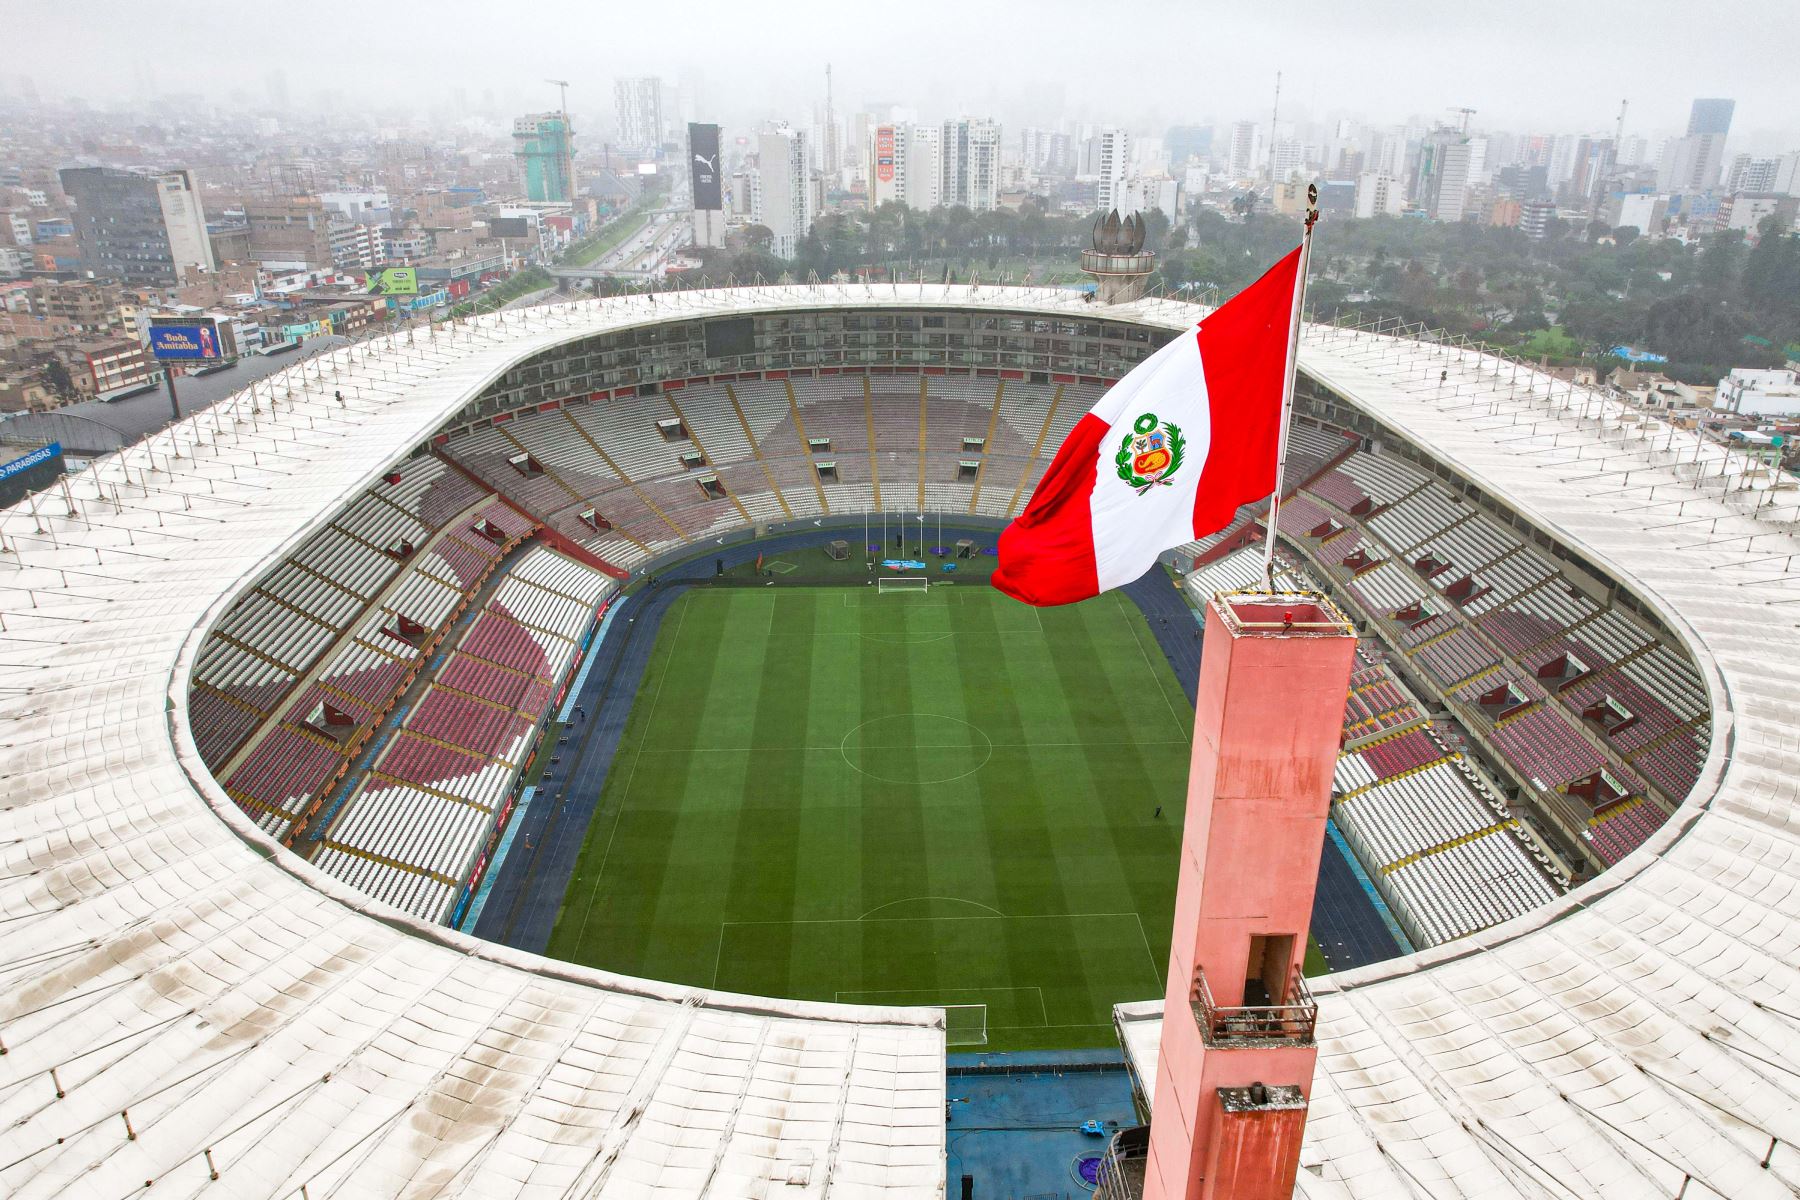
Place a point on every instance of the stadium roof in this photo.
(178, 996)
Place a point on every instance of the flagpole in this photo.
(1287, 387)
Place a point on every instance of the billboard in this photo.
(185, 339)
(25, 462)
(729, 337)
(703, 167)
(394, 281)
(29, 471)
(884, 153)
(509, 227)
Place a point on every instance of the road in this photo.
(643, 255)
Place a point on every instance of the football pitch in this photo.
(940, 798)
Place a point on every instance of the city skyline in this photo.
(1207, 65)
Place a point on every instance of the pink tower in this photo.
(1236, 1065)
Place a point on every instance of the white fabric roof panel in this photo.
(172, 964)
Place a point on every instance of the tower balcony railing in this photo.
(1123, 1166)
(1257, 1025)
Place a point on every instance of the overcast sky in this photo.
(1526, 65)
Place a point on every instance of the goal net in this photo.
(901, 583)
(965, 1024)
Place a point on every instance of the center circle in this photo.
(916, 748)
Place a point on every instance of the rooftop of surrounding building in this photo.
(99, 426)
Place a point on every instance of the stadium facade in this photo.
(187, 1003)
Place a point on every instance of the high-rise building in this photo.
(140, 228)
(971, 163)
(1441, 174)
(1380, 196)
(639, 107)
(921, 166)
(1034, 148)
(1285, 158)
(1535, 217)
(1692, 163)
(1594, 166)
(1710, 116)
(1758, 174)
(1241, 161)
(1113, 164)
(883, 167)
(784, 192)
(904, 163)
(289, 232)
(544, 147)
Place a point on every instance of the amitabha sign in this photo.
(184, 341)
(884, 153)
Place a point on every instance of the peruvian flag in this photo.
(1167, 455)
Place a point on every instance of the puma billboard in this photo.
(703, 167)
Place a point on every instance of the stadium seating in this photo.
(1428, 827)
(1520, 651)
(411, 826)
(293, 678)
(1482, 614)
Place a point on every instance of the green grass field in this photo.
(936, 798)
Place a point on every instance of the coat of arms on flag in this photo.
(1150, 454)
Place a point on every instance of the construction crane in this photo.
(1466, 114)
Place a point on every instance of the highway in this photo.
(643, 255)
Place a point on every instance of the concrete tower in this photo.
(1235, 1068)
(1118, 261)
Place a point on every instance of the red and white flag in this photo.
(1167, 455)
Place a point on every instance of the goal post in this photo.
(965, 1025)
(901, 583)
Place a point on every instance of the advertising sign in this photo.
(185, 341)
(394, 281)
(884, 153)
(25, 462)
(509, 227)
(703, 167)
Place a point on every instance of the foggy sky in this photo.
(1555, 66)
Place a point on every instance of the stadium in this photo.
(499, 760)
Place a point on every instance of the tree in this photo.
(57, 378)
(1721, 257)
(1771, 276)
(1156, 228)
(1624, 235)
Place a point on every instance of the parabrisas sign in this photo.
(184, 341)
(40, 455)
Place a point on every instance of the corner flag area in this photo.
(944, 798)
